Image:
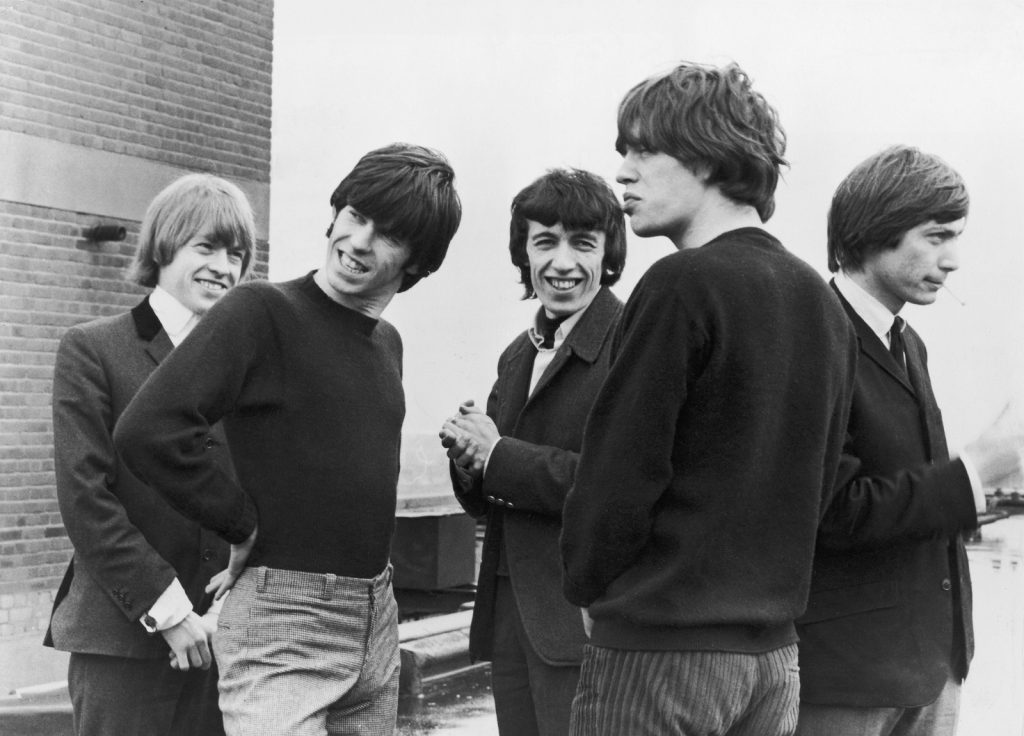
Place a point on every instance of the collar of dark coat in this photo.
(147, 324)
(592, 330)
(869, 343)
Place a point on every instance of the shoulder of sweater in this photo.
(388, 329)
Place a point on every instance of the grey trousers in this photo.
(935, 719)
(304, 653)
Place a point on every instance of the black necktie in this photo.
(547, 327)
(896, 344)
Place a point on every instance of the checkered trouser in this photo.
(304, 653)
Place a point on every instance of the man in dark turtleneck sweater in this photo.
(307, 379)
(690, 529)
(515, 463)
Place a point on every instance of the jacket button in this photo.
(510, 504)
(210, 444)
(946, 585)
(207, 555)
(491, 499)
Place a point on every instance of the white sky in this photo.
(508, 90)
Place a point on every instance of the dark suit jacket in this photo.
(889, 616)
(528, 475)
(129, 544)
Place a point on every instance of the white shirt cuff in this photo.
(170, 609)
(487, 459)
(980, 504)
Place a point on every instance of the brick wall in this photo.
(176, 85)
(183, 83)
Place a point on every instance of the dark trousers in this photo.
(116, 696)
(531, 697)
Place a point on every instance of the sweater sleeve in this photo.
(162, 435)
(626, 461)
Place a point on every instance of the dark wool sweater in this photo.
(709, 450)
(311, 397)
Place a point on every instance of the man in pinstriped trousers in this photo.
(690, 529)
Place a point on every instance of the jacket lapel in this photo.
(871, 346)
(930, 414)
(150, 331)
(585, 340)
(520, 369)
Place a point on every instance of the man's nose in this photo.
(218, 261)
(562, 258)
(362, 237)
(950, 258)
(626, 173)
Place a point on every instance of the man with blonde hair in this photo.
(133, 593)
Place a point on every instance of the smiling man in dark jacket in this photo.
(568, 242)
(134, 590)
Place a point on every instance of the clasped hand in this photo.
(469, 435)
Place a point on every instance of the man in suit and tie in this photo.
(133, 595)
(516, 463)
(887, 638)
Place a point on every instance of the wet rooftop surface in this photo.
(458, 706)
(993, 696)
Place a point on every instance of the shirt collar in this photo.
(875, 314)
(560, 334)
(176, 319)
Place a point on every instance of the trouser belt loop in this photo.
(261, 579)
(329, 581)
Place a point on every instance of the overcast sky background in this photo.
(508, 90)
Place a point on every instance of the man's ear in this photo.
(703, 173)
(334, 216)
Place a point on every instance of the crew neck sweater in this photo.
(310, 394)
(709, 452)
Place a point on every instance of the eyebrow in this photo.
(944, 229)
(591, 233)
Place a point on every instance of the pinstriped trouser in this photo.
(303, 653)
(658, 693)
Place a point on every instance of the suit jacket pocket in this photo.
(834, 603)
